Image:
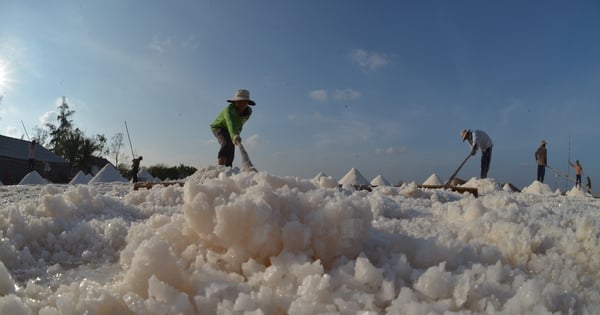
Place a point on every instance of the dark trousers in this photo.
(134, 173)
(227, 149)
(31, 164)
(541, 171)
(486, 159)
(578, 180)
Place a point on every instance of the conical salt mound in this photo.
(380, 181)
(80, 178)
(145, 176)
(354, 177)
(433, 180)
(107, 174)
(576, 192)
(538, 188)
(318, 177)
(33, 178)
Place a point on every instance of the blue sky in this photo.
(382, 86)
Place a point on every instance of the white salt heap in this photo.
(354, 178)
(145, 176)
(433, 180)
(79, 178)
(538, 188)
(254, 243)
(107, 174)
(380, 181)
(578, 191)
(319, 175)
(33, 178)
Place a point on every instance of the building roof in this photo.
(17, 149)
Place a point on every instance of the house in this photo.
(14, 162)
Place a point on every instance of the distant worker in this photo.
(578, 172)
(47, 169)
(589, 185)
(228, 125)
(31, 149)
(135, 168)
(479, 140)
(542, 161)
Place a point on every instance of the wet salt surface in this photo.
(230, 242)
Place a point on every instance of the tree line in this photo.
(83, 152)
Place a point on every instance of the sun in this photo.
(4, 76)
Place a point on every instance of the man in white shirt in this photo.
(479, 140)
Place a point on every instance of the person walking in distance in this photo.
(228, 125)
(578, 172)
(478, 139)
(31, 160)
(542, 160)
(135, 168)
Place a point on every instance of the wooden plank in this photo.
(461, 190)
(472, 190)
(149, 185)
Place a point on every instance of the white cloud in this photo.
(369, 60)
(508, 112)
(160, 44)
(344, 132)
(8, 110)
(15, 50)
(58, 101)
(253, 140)
(13, 132)
(208, 141)
(338, 95)
(319, 95)
(48, 117)
(390, 151)
(191, 43)
(318, 116)
(346, 95)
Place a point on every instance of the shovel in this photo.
(456, 172)
(246, 163)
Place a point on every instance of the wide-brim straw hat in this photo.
(463, 134)
(242, 95)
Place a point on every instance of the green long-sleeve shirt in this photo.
(230, 119)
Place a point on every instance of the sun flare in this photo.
(4, 76)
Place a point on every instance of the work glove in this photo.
(473, 151)
(237, 140)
